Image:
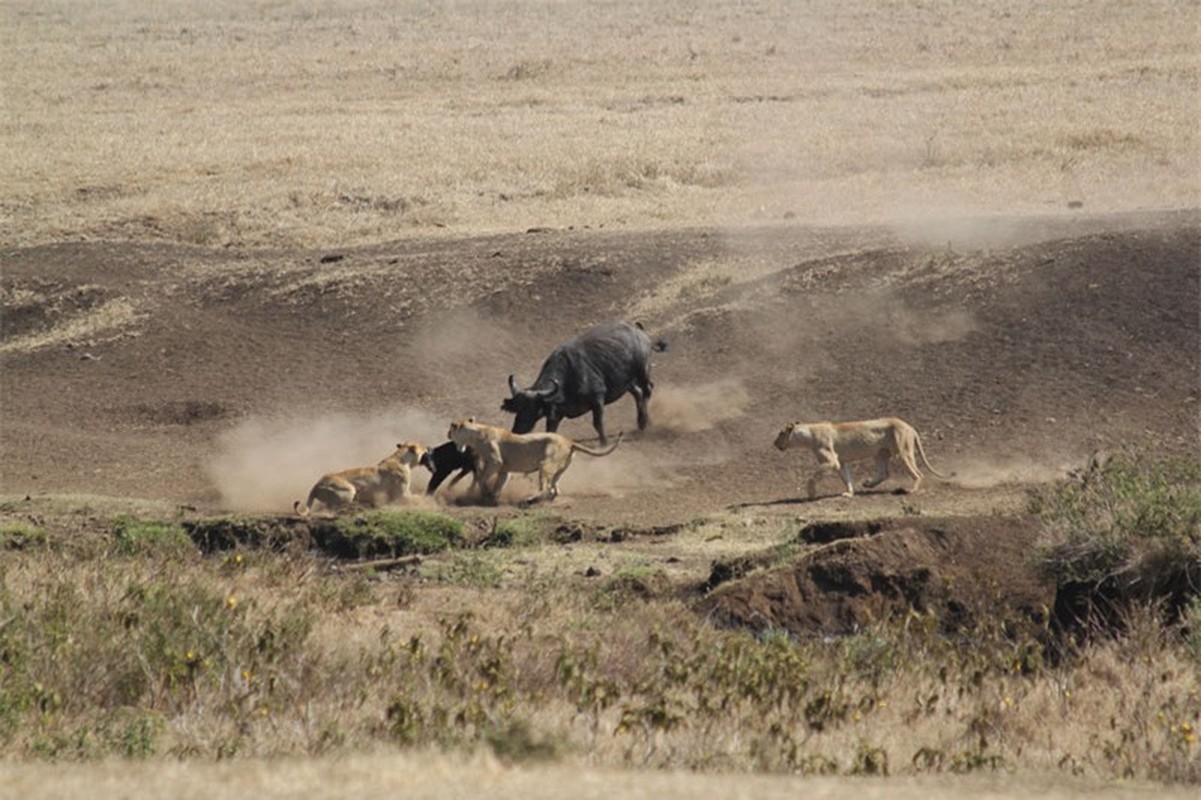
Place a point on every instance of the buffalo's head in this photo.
(530, 405)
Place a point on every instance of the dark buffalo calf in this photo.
(445, 459)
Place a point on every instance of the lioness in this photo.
(837, 444)
(387, 481)
(500, 452)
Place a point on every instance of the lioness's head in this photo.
(456, 431)
(410, 453)
(784, 437)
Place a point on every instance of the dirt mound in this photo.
(960, 570)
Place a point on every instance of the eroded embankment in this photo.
(961, 570)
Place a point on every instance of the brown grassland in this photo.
(243, 244)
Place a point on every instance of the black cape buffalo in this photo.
(585, 374)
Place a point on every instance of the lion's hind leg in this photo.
(333, 495)
(555, 474)
(548, 480)
(910, 465)
(882, 459)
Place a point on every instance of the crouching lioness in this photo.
(499, 452)
(837, 444)
(383, 483)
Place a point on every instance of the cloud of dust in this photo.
(945, 225)
(675, 409)
(886, 312)
(625, 470)
(265, 463)
(699, 407)
(982, 473)
(468, 356)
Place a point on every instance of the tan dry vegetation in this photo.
(436, 776)
(324, 124)
(108, 320)
(596, 670)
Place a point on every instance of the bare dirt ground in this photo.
(230, 381)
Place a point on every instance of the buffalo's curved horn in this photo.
(554, 388)
(513, 390)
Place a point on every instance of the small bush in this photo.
(388, 533)
(21, 535)
(1114, 507)
(1127, 528)
(642, 583)
(515, 743)
(526, 530)
(138, 537)
(470, 569)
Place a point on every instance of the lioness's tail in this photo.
(303, 509)
(921, 451)
(584, 449)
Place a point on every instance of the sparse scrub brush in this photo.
(1129, 525)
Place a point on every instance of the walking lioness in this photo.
(385, 482)
(837, 444)
(500, 452)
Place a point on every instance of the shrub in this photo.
(522, 531)
(635, 582)
(138, 537)
(1127, 526)
(20, 535)
(470, 569)
(388, 533)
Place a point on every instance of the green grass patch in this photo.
(526, 530)
(387, 533)
(138, 537)
(21, 536)
(472, 569)
(1123, 530)
(1117, 512)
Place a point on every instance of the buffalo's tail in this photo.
(659, 345)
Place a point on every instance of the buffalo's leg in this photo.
(640, 398)
(598, 419)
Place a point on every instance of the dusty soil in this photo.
(223, 379)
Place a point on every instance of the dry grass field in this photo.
(246, 243)
(323, 124)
